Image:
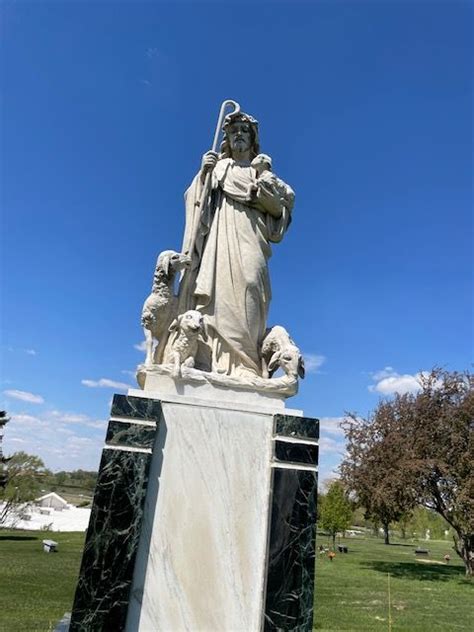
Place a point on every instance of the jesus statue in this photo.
(228, 239)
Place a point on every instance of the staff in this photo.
(207, 182)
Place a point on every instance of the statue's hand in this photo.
(208, 162)
(268, 200)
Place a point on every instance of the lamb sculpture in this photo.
(279, 350)
(160, 307)
(187, 328)
(266, 178)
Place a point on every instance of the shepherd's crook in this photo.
(205, 189)
(220, 120)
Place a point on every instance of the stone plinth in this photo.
(223, 525)
(108, 562)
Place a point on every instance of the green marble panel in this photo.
(296, 452)
(291, 557)
(129, 434)
(299, 427)
(140, 408)
(105, 578)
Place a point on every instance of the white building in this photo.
(53, 500)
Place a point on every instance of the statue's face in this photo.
(240, 137)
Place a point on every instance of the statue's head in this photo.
(240, 135)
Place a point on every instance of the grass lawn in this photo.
(36, 588)
(426, 594)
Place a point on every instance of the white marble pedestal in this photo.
(227, 524)
(201, 560)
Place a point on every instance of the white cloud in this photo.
(141, 346)
(331, 425)
(56, 419)
(29, 351)
(327, 444)
(332, 448)
(126, 372)
(398, 384)
(65, 431)
(105, 383)
(68, 418)
(72, 452)
(388, 371)
(24, 396)
(96, 424)
(313, 362)
(26, 420)
(388, 382)
(76, 418)
(330, 458)
(64, 440)
(76, 445)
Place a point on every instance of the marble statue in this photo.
(161, 305)
(266, 179)
(188, 326)
(228, 281)
(235, 208)
(204, 514)
(279, 351)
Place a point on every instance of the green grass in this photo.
(426, 596)
(36, 588)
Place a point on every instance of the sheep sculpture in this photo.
(187, 328)
(161, 305)
(279, 351)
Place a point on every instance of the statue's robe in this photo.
(229, 281)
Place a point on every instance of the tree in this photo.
(24, 473)
(372, 467)
(4, 419)
(336, 510)
(404, 523)
(422, 521)
(441, 454)
(419, 448)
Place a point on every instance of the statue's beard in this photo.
(241, 145)
(240, 149)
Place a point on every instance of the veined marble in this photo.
(203, 519)
(291, 555)
(202, 558)
(199, 384)
(113, 535)
(210, 396)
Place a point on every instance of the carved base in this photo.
(204, 518)
(284, 386)
(229, 528)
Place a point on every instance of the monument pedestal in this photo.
(203, 519)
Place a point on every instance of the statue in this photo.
(160, 307)
(236, 207)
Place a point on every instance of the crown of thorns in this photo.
(242, 117)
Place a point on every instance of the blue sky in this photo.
(365, 108)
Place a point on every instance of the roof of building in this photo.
(52, 495)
